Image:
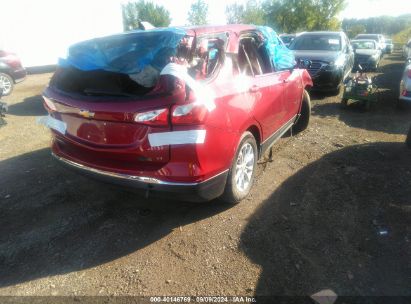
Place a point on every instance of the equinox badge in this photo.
(86, 114)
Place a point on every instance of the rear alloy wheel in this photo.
(7, 83)
(241, 175)
(305, 114)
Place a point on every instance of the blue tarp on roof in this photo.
(126, 53)
(282, 58)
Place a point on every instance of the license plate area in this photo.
(55, 124)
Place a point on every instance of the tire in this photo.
(336, 91)
(234, 192)
(408, 140)
(304, 119)
(7, 84)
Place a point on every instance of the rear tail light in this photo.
(189, 114)
(409, 73)
(157, 117)
(49, 104)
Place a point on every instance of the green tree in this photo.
(303, 15)
(384, 24)
(252, 12)
(355, 29)
(198, 13)
(142, 10)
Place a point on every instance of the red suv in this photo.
(180, 111)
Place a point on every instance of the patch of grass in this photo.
(403, 36)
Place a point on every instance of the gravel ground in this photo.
(330, 211)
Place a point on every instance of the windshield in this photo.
(366, 45)
(317, 43)
(287, 39)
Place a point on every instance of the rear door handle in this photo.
(286, 80)
(254, 89)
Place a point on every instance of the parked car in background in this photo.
(366, 53)
(287, 38)
(378, 38)
(329, 55)
(405, 86)
(389, 46)
(11, 71)
(189, 118)
(407, 50)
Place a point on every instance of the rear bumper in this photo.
(196, 192)
(19, 75)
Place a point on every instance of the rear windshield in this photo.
(317, 43)
(366, 45)
(127, 53)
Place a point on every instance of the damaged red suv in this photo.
(184, 112)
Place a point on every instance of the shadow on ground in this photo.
(30, 106)
(340, 223)
(54, 221)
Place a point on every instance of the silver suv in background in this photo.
(381, 44)
(407, 50)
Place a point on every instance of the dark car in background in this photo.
(287, 39)
(389, 46)
(328, 57)
(11, 71)
(367, 54)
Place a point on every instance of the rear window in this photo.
(317, 43)
(127, 53)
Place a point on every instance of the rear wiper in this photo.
(93, 92)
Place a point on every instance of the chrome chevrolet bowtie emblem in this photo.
(86, 114)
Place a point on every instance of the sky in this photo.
(40, 31)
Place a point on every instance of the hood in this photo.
(366, 52)
(326, 56)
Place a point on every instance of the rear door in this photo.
(266, 86)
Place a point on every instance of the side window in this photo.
(208, 56)
(252, 56)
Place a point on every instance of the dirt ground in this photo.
(331, 211)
